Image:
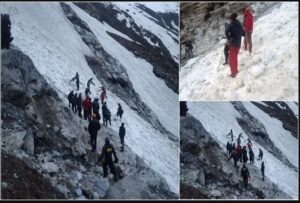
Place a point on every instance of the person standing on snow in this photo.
(260, 155)
(248, 27)
(228, 147)
(239, 139)
(77, 80)
(104, 108)
(262, 169)
(96, 108)
(103, 95)
(120, 111)
(234, 34)
(106, 159)
(79, 103)
(245, 157)
(74, 103)
(235, 158)
(122, 132)
(245, 175)
(251, 155)
(231, 135)
(70, 97)
(93, 128)
(86, 104)
(183, 108)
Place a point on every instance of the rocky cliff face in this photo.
(53, 142)
(206, 173)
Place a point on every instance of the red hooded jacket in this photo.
(248, 24)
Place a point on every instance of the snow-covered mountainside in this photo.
(128, 48)
(270, 126)
(273, 64)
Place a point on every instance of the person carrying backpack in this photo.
(245, 175)
(106, 159)
(234, 34)
(86, 104)
(260, 155)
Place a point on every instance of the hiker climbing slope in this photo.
(245, 175)
(262, 169)
(93, 128)
(120, 111)
(122, 132)
(234, 34)
(231, 135)
(70, 97)
(107, 160)
(77, 80)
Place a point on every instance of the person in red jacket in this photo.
(86, 104)
(239, 152)
(248, 27)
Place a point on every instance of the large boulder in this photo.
(50, 167)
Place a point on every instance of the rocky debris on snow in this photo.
(206, 173)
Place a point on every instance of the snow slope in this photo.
(219, 117)
(152, 89)
(142, 19)
(273, 64)
(282, 138)
(58, 53)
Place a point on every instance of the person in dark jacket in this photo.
(74, 103)
(120, 111)
(90, 110)
(260, 155)
(87, 91)
(122, 132)
(77, 80)
(104, 108)
(89, 82)
(234, 34)
(183, 108)
(70, 97)
(248, 28)
(245, 156)
(6, 37)
(239, 152)
(231, 135)
(245, 175)
(229, 148)
(107, 117)
(235, 158)
(262, 169)
(79, 103)
(96, 108)
(93, 128)
(106, 158)
(251, 155)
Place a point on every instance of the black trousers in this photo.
(122, 140)
(86, 114)
(245, 180)
(94, 142)
(111, 168)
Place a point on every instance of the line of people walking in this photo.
(91, 112)
(238, 153)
